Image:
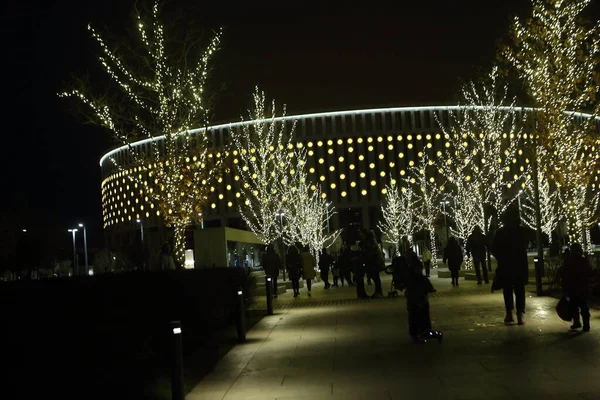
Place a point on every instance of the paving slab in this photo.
(334, 346)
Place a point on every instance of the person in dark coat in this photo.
(510, 250)
(576, 276)
(418, 288)
(358, 268)
(294, 268)
(373, 260)
(272, 264)
(325, 262)
(477, 247)
(454, 257)
(345, 265)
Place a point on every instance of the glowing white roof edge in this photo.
(327, 114)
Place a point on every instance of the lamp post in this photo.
(201, 220)
(73, 231)
(443, 203)
(139, 221)
(87, 270)
(280, 214)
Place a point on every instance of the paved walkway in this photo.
(333, 346)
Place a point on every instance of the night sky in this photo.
(311, 57)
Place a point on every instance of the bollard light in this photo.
(176, 331)
(239, 293)
(535, 259)
(268, 279)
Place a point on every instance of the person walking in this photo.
(427, 261)
(576, 276)
(325, 262)
(308, 268)
(454, 257)
(373, 260)
(294, 268)
(345, 264)
(509, 247)
(477, 247)
(418, 288)
(358, 270)
(272, 264)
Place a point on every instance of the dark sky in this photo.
(311, 57)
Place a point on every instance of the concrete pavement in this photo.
(333, 346)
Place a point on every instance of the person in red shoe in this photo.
(576, 276)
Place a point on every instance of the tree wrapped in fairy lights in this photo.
(262, 147)
(556, 54)
(159, 96)
(481, 142)
(398, 208)
(427, 200)
(550, 205)
(307, 210)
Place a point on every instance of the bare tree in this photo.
(161, 99)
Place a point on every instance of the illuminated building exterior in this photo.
(352, 154)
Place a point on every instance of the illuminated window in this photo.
(390, 147)
(400, 155)
(410, 146)
(370, 148)
(333, 185)
(382, 173)
(380, 139)
(229, 204)
(332, 168)
(351, 166)
(359, 140)
(369, 139)
(329, 142)
(309, 144)
(343, 194)
(342, 176)
(363, 192)
(330, 151)
(353, 184)
(322, 178)
(361, 157)
(392, 164)
(321, 161)
(340, 141)
(341, 159)
(350, 149)
(402, 172)
(419, 137)
(362, 174)
(311, 153)
(381, 156)
(350, 141)
(319, 143)
(373, 183)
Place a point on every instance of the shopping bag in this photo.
(497, 282)
(562, 309)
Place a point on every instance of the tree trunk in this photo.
(538, 222)
(179, 243)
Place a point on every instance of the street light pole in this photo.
(139, 221)
(73, 231)
(87, 270)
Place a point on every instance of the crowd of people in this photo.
(365, 259)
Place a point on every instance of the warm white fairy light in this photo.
(308, 213)
(557, 56)
(264, 165)
(162, 103)
(550, 205)
(398, 207)
(427, 200)
(482, 140)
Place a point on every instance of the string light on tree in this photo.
(557, 56)
(398, 208)
(427, 200)
(263, 147)
(161, 97)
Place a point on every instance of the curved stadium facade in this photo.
(352, 154)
